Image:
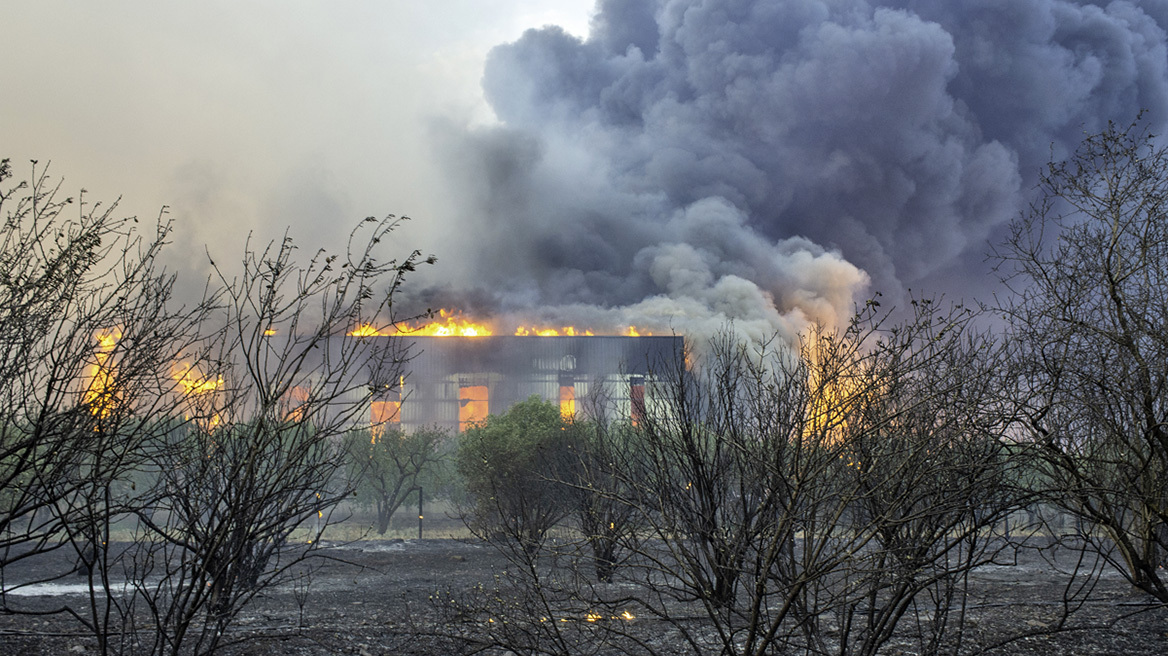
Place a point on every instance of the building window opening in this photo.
(473, 405)
(567, 401)
(637, 400)
(296, 404)
(384, 414)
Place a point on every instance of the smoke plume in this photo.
(693, 162)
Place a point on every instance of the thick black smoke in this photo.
(768, 161)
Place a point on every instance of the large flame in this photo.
(568, 402)
(197, 389)
(452, 323)
(192, 382)
(565, 331)
(101, 391)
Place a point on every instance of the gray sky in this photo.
(253, 115)
(677, 164)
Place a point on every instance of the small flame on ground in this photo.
(591, 616)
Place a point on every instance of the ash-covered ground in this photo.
(374, 597)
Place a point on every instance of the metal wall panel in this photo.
(515, 368)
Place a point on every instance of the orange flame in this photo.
(452, 323)
(449, 324)
(565, 331)
(197, 388)
(188, 377)
(100, 392)
(367, 330)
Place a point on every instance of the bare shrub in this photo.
(816, 500)
(1087, 268)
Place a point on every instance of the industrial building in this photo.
(453, 381)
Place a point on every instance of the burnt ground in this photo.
(375, 598)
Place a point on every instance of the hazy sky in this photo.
(678, 164)
(252, 115)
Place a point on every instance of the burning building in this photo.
(453, 381)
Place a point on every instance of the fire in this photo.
(100, 393)
(188, 377)
(835, 390)
(381, 414)
(473, 405)
(198, 388)
(572, 331)
(590, 616)
(296, 402)
(450, 323)
(567, 402)
(565, 331)
(366, 330)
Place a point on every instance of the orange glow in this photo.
(198, 388)
(565, 331)
(452, 323)
(192, 382)
(208, 423)
(297, 401)
(637, 402)
(567, 401)
(473, 405)
(269, 332)
(382, 413)
(835, 392)
(367, 330)
(100, 392)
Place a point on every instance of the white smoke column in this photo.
(766, 163)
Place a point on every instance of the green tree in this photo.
(511, 464)
(388, 466)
